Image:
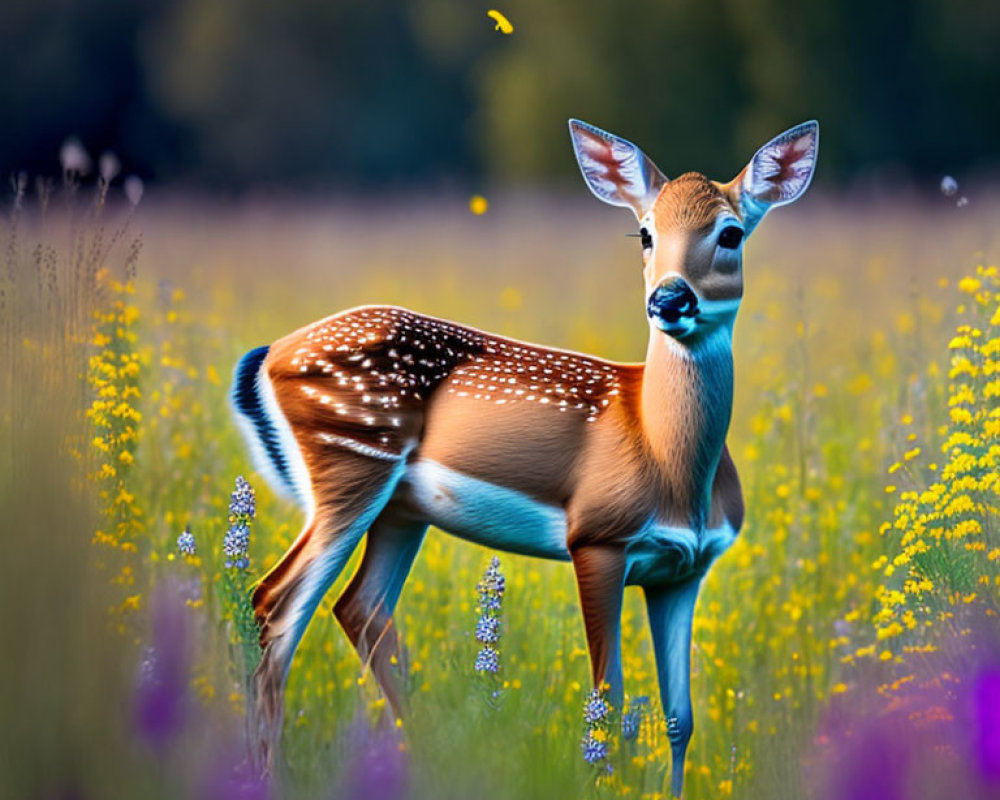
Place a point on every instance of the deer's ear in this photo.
(779, 173)
(616, 170)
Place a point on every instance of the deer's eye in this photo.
(646, 239)
(730, 237)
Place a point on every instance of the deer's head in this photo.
(692, 229)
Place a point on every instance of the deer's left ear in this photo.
(616, 170)
(779, 173)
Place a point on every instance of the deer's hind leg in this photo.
(365, 608)
(349, 495)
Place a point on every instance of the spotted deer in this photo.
(386, 421)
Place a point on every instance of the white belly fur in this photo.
(505, 519)
(484, 513)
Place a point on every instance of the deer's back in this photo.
(370, 376)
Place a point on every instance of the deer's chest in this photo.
(661, 553)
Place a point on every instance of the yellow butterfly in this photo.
(503, 24)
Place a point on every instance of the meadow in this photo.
(856, 611)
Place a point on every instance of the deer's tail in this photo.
(275, 452)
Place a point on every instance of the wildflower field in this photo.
(849, 635)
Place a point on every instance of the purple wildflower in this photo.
(596, 708)
(186, 543)
(243, 502)
(488, 630)
(596, 743)
(934, 734)
(986, 723)
(490, 603)
(490, 589)
(160, 699)
(595, 750)
(229, 778)
(488, 660)
(377, 768)
(242, 509)
(235, 546)
(493, 582)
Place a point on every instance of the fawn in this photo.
(385, 421)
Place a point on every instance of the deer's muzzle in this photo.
(673, 307)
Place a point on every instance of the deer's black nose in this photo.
(672, 306)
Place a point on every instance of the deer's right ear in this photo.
(616, 170)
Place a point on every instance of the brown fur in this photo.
(689, 202)
(600, 576)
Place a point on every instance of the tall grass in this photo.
(61, 677)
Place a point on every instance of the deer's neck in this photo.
(687, 399)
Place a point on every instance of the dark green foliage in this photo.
(322, 94)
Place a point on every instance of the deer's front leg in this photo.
(671, 613)
(600, 579)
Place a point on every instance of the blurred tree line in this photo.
(323, 93)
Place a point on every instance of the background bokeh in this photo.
(329, 95)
